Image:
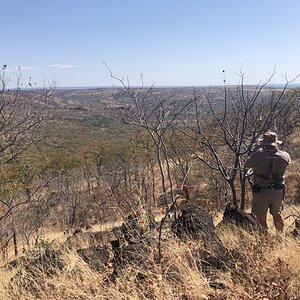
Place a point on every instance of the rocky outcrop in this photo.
(234, 215)
(194, 222)
(50, 259)
(128, 245)
(212, 256)
(96, 257)
(30, 271)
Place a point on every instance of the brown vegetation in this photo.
(131, 213)
(253, 268)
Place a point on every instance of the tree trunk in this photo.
(72, 219)
(153, 185)
(162, 174)
(243, 189)
(233, 192)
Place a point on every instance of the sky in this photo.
(168, 42)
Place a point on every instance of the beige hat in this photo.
(269, 139)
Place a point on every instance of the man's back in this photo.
(268, 165)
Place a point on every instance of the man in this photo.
(268, 164)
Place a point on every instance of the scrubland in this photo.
(257, 268)
(64, 198)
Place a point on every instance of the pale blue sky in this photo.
(171, 42)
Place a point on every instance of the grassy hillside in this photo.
(259, 269)
(105, 165)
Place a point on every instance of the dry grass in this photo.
(176, 278)
(261, 268)
(264, 270)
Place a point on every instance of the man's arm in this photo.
(252, 158)
(250, 161)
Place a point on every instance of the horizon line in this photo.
(78, 87)
(172, 86)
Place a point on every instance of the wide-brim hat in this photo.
(269, 139)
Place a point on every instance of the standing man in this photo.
(268, 164)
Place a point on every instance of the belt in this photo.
(256, 188)
(274, 186)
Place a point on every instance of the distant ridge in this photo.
(62, 88)
(276, 85)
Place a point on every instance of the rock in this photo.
(32, 271)
(137, 254)
(46, 261)
(131, 230)
(77, 231)
(96, 257)
(234, 215)
(295, 233)
(194, 222)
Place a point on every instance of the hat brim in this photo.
(262, 143)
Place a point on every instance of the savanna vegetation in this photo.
(93, 183)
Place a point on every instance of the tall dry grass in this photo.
(262, 269)
(177, 277)
(258, 268)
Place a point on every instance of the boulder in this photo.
(47, 262)
(234, 215)
(211, 256)
(137, 254)
(194, 222)
(96, 257)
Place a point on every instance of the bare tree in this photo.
(227, 127)
(21, 117)
(21, 124)
(146, 108)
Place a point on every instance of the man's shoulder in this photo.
(255, 157)
(284, 155)
(259, 153)
(262, 154)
